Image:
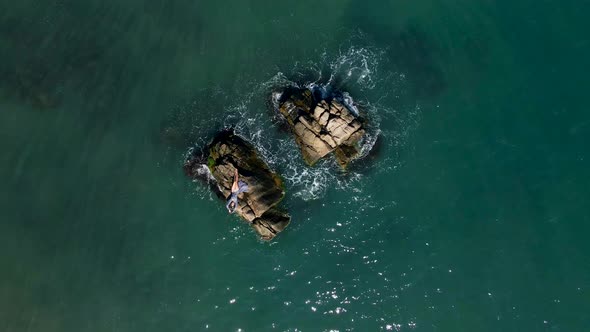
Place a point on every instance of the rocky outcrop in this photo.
(258, 205)
(322, 126)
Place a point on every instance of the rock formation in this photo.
(322, 126)
(258, 205)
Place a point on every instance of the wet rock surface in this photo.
(322, 126)
(258, 206)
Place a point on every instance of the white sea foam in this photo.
(356, 69)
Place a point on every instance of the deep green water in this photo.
(470, 214)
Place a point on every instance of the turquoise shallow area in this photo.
(471, 212)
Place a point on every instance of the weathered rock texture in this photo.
(228, 152)
(321, 127)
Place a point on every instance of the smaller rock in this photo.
(229, 152)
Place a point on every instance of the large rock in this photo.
(258, 205)
(322, 126)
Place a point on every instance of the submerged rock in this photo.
(258, 205)
(322, 126)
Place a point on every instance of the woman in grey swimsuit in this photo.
(237, 187)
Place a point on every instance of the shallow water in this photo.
(470, 212)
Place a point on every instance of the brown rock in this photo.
(321, 127)
(229, 152)
(318, 111)
(323, 120)
(329, 140)
(311, 124)
(270, 224)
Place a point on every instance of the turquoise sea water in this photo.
(470, 213)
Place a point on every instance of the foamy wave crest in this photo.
(356, 65)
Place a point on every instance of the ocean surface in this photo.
(469, 212)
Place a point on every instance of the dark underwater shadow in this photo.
(43, 53)
(49, 51)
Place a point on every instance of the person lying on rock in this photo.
(237, 187)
